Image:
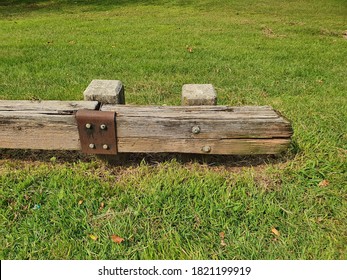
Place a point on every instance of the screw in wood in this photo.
(103, 126)
(195, 129)
(92, 146)
(88, 126)
(206, 149)
(105, 147)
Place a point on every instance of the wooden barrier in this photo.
(150, 129)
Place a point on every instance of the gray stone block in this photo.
(105, 92)
(198, 94)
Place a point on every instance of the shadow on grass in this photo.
(10, 8)
(74, 2)
(132, 159)
(30, 4)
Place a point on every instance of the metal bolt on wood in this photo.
(195, 129)
(105, 147)
(206, 149)
(92, 146)
(88, 125)
(103, 126)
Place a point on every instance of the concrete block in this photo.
(198, 94)
(105, 92)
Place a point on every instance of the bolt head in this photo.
(103, 126)
(92, 146)
(88, 125)
(195, 129)
(206, 149)
(105, 147)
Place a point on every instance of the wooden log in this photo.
(48, 125)
(201, 129)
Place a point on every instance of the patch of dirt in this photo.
(296, 23)
(268, 182)
(329, 33)
(268, 32)
(43, 156)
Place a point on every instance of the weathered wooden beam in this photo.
(48, 125)
(184, 129)
(200, 129)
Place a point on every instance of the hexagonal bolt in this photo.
(206, 149)
(105, 147)
(88, 125)
(195, 129)
(103, 126)
(92, 146)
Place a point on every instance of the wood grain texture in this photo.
(53, 106)
(223, 130)
(48, 125)
(217, 146)
(226, 130)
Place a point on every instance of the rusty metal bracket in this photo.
(97, 131)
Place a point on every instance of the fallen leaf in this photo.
(102, 205)
(189, 49)
(222, 242)
(324, 183)
(275, 231)
(80, 202)
(93, 237)
(117, 239)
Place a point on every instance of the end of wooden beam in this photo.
(105, 92)
(198, 94)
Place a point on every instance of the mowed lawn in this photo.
(291, 55)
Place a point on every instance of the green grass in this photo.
(291, 55)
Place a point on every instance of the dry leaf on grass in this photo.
(80, 202)
(222, 242)
(93, 237)
(324, 183)
(189, 49)
(117, 239)
(102, 205)
(275, 231)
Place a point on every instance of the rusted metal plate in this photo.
(97, 132)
